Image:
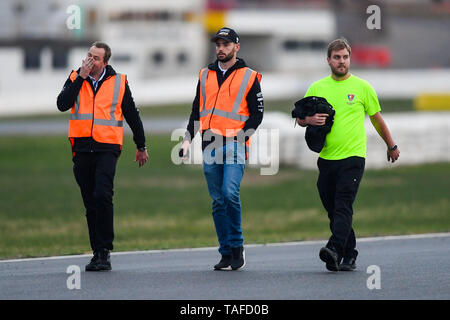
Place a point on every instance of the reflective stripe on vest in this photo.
(237, 102)
(108, 112)
(224, 109)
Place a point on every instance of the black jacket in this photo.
(66, 100)
(254, 102)
(307, 107)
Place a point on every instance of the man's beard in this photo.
(94, 71)
(338, 73)
(226, 58)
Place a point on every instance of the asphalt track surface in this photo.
(410, 267)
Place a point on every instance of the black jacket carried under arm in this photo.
(314, 135)
(66, 100)
(254, 100)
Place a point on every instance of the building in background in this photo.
(161, 44)
(149, 40)
(277, 36)
(157, 38)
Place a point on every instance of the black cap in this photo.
(226, 34)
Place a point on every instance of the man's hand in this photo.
(141, 157)
(392, 155)
(86, 67)
(185, 149)
(316, 120)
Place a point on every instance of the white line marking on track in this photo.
(297, 243)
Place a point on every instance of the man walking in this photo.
(227, 109)
(99, 99)
(341, 161)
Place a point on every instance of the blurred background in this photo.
(162, 42)
(161, 45)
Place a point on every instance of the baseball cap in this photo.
(226, 34)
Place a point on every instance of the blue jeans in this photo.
(223, 169)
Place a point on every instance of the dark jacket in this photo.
(254, 102)
(66, 100)
(307, 107)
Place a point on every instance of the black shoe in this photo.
(92, 266)
(330, 257)
(238, 258)
(224, 263)
(349, 263)
(104, 261)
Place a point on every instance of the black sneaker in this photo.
(238, 258)
(224, 263)
(330, 257)
(92, 266)
(104, 261)
(349, 263)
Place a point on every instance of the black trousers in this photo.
(338, 184)
(94, 173)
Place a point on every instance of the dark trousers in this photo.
(94, 173)
(338, 184)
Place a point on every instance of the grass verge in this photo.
(162, 205)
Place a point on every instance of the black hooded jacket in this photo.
(307, 107)
(66, 100)
(254, 101)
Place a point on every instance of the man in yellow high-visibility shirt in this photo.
(342, 159)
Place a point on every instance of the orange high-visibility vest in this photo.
(99, 116)
(224, 110)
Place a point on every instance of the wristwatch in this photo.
(393, 148)
(142, 149)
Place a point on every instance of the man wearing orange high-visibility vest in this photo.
(227, 109)
(99, 100)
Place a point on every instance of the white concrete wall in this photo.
(43, 87)
(422, 137)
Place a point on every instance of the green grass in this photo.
(162, 205)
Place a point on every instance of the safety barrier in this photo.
(422, 137)
(432, 101)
